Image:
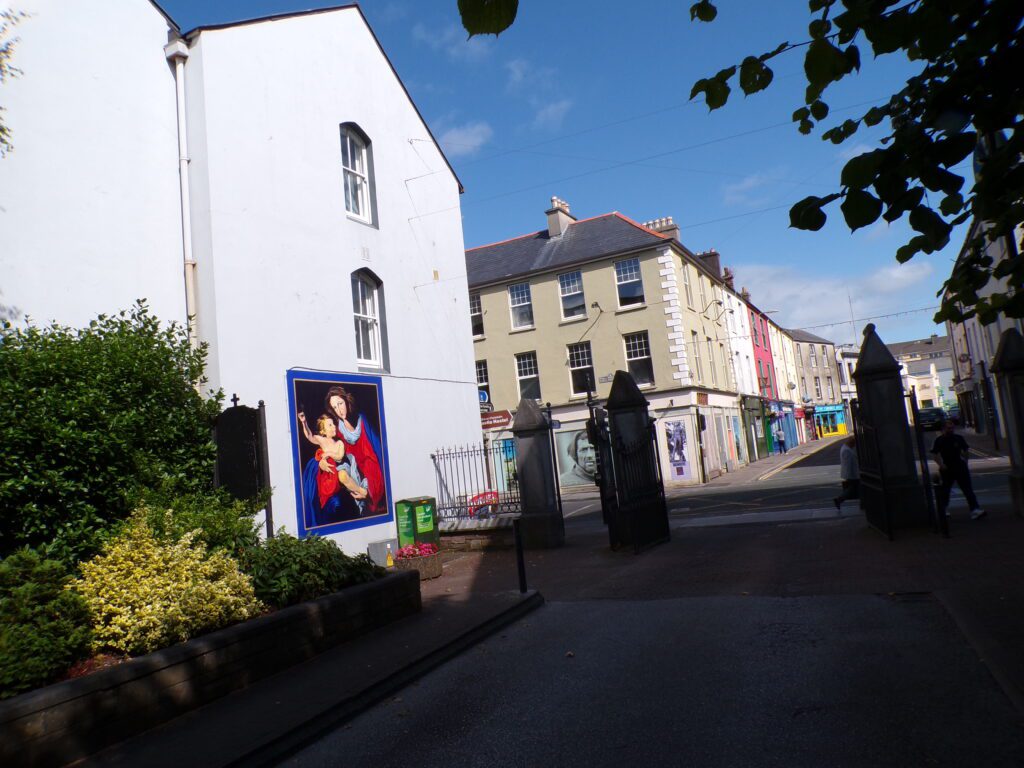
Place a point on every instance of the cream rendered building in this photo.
(556, 312)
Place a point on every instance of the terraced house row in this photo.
(556, 312)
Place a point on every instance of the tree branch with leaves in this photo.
(965, 100)
(8, 20)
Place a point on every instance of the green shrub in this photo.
(89, 418)
(44, 627)
(286, 570)
(145, 594)
(217, 520)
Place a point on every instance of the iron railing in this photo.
(476, 482)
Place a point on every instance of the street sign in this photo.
(486, 407)
(556, 424)
(483, 395)
(495, 420)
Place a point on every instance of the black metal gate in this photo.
(939, 520)
(476, 482)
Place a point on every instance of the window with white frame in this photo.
(817, 387)
(366, 313)
(760, 377)
(703, 298)
(814, 357)
(695, 351)
(638, 358)
(824, 356)
(483, 382)
(630, 284)
(528, 375)
(581, 368)
(476, 314)
(725, 362)
(521, 305)
(711, 362)
(803, 387)
(686, 286)
(753, 328)
(570, 289)
(355, 172)
(831, 390)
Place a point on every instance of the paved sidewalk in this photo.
(757, 470)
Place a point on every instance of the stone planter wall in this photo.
(64, 722)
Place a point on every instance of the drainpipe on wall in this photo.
(176, 52)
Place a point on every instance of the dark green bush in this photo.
(220, 522)
(90, 418)
(286, 570)
(44, 628)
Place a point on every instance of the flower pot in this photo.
(429, 566)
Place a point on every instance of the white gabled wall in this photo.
(89, 216)
(274, 244)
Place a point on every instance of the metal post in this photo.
(265, 468)
(554, 457)
(520, 564)
(937, 515)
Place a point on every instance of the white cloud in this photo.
(452, 41)
(550, 116)
(848, 153)
(805, 298)
(465, 140)
(739, 192)
(525, 75)
(898, 277)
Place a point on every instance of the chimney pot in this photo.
(559, 217)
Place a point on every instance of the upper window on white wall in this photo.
(356, 172)
(367, 311)
(476, 314)
(629, 282)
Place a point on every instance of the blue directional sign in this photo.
(483, 396)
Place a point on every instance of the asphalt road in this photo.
(809, 484)
(847, 680)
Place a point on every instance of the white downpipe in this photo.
(177, 51)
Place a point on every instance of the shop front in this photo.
(830, 420)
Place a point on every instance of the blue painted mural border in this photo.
(302, 374)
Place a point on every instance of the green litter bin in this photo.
(417, 521)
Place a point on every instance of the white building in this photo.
(306, 171)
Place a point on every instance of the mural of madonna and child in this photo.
(340, 450)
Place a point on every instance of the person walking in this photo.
(780, 437)
(849, 472)
(950, 452)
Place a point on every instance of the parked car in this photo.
(931, 418)
(954, 414)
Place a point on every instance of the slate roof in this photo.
(585, 240)
(806, 336)
(927, 346)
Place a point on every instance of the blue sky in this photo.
(589, 102)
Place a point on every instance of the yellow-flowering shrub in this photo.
(145, 594)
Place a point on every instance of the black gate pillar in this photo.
(541, 524)
(891, 494)
(243, 467)
(1008, 366)
(641, 515)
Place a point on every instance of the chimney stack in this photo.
(728, 278)
(712, 261)
(745, 294)
(665, 226)
(559, 217)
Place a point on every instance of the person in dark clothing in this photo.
(950, 452)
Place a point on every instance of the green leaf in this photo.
(715, 89)
(824, 64)
(819, 109)
(875, 115)
(952, 204)
(807, 214)
(819, 28)
(907, 252)
(754, 75)
(860, 171)
(487, 17)
(930, 224)
(703, 11)
(860, 208)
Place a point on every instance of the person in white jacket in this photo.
(849, 472)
